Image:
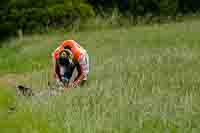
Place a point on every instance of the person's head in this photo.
(65, 57)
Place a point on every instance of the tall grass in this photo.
(143, 79)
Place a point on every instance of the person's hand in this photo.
(75, 84)
(59, 83)
(71, 85)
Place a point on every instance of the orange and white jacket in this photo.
(80, 57)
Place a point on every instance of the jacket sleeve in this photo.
(82, 69)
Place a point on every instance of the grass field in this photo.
(143, 79)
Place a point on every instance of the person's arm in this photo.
(82, 70)
(80, 75)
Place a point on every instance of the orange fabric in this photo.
(75, 49)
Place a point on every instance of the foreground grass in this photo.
(143, 79)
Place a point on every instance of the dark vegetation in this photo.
(27, 16)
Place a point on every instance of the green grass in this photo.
(143, 79)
